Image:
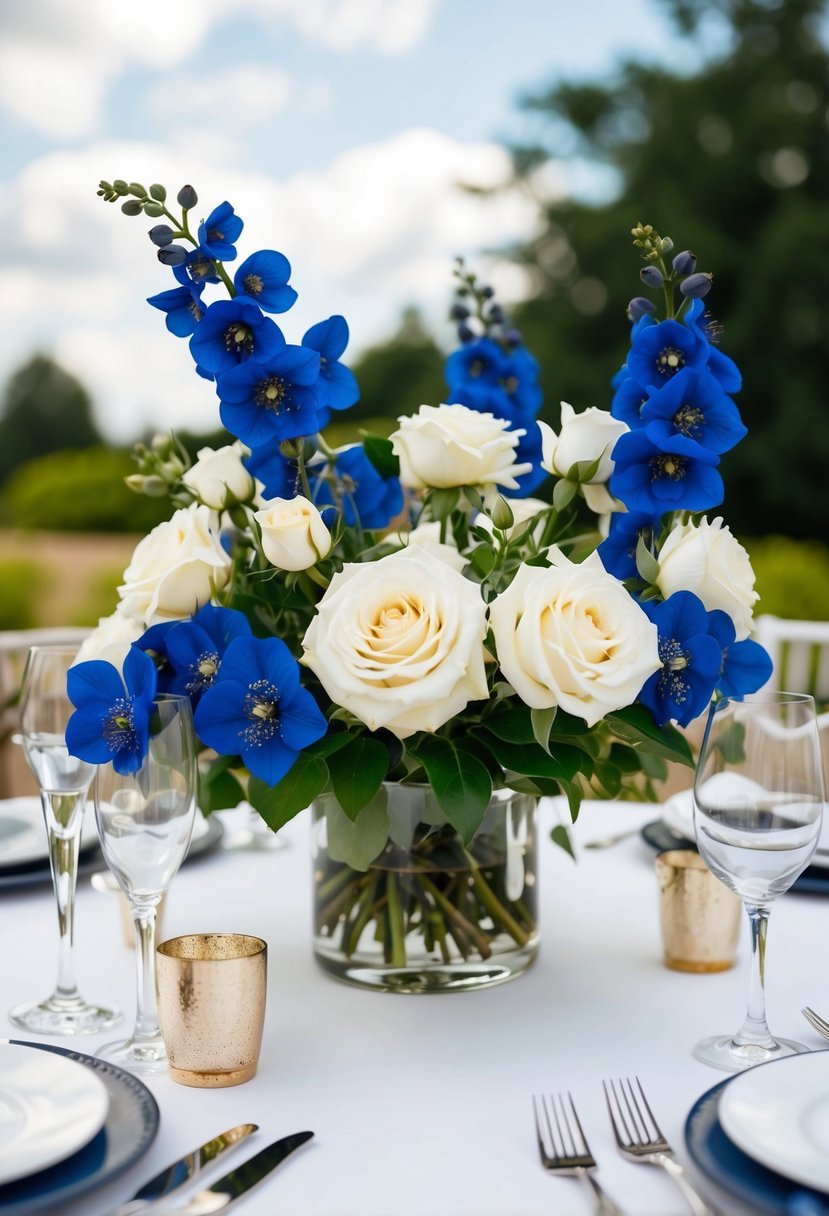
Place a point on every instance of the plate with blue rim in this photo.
(765, 1191)
(129, 1129)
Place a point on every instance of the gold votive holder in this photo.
(699, 915)
(211, 1006)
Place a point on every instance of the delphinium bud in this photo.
(639, 307)
(651, 276)
(172, 255)
(496, 315)
(685, 263)
(132, 206)
(696, 285)
(458, 312)
(465, 333)
(487, 293)
(161, 235)
(187, 197)
(513, 337)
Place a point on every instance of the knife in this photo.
(183, 1171)
(235, 1185)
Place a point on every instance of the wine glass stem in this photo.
(146, 1017)
(755, 1029)
(64, 816)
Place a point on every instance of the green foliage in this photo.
(45, 410)
(79, 491)
(733, 159)
(100, 598)
(21, 582)
(792, 577)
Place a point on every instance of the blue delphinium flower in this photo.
(720, 365)
(474, 375)
(369, 498)
(198, 267)
(263, 277)
(659, 351)
(338, 388)
(257, 709)
(112, 714)
(618, 551)
(219, 231)
(196, 648)
(153, 642)
(231, 332)
(628, 401)
(266, 400)
(183, 308)
(677, 475)
(746, 666)
(528, 451)
(693, 404)
(279, 476)
(691, 660)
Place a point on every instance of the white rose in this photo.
(588, 436)
(111, 639)
(707, 559)
(442, 446)
(399, 642)
(427, 536)
(294, 536)
(570, 635)
(174, 569)
(218, 478)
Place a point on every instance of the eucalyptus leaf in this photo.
(358, 842)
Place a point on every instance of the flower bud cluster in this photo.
(658, 276)
(160, 466)
(477, 312)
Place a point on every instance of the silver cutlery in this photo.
(565, 1151)
(604, 842)
(639, 1138)
(816, 1021)
(237, 1183)
(188, 1167)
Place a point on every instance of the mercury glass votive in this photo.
(211, 1006)
(699, 915)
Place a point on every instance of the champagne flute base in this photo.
(61, 1016)
(721, 1051)
(145, 1056)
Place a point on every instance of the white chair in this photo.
(800, 653)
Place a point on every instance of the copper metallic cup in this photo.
(211, 1006)
(700, 917)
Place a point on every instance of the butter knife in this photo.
(184, 1170)
(239, 1182)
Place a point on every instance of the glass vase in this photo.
(402, 904)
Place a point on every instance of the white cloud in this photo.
(374, 232)
(259, 93)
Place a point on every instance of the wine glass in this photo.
(758, 800)
(145, 820)
(64, 782)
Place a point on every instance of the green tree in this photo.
(45, 410)
(731, 161)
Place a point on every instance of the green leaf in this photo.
(530, 760)
(461, 783)
(297, 790)
(381, 455)
(646, 563)
(357, 843)
(574, 795)
(328, 744)
(442, 502)
(583, 470)
(513, 724)
(564, 492)
(542, 723)
(560, 836)
(635, 725)
(482, 560)
(357, 772)
(609, 778)
(219, 791)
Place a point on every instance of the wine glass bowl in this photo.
(758, 798)
(145, 820)
(64, 782)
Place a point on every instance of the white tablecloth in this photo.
(421, 1105)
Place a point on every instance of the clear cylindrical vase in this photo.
(403, 904)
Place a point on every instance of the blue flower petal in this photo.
(94, 682)
(302, 721)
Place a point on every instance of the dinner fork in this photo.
(816, 1021)
(640, 1138)
(564, 1151)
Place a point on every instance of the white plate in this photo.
(49, 1108)
(23, 832)
(678, 814)
(779, 1115)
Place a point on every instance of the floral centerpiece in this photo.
(394, 631)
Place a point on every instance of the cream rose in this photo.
(442, 446)
(707, 559)
(588, 436)
(294, 535)
(218, 478)
(570, 635)
(399, 642)
(110, 639)
(174, 569)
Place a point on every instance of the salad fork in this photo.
(816, 1021)
(563, 1151)
(639, 1138)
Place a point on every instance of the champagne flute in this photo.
(758, 800)
(145, 820)
(64, 782)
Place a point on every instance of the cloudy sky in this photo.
(338, 129)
